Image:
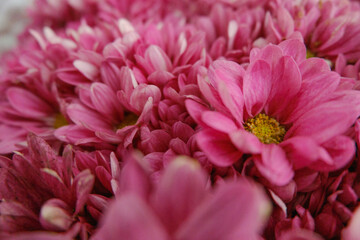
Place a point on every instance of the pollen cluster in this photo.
(266, 129)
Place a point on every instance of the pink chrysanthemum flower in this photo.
(186, 209)
(43, 191)
(329, 27)
(283, 111)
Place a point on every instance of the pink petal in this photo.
(89, 70)
(134, 177)
(195, 110)
(87, 118)
(246, 142)
(218, 121)
(341, 149)
(142, 93)
(175, 200)
(329, 119)
(257, 86)
(129, 217)
(302, 151)
(274, 165)
(28, 104)
(286, 84)
(294, 48)
(158, 58)
(105, 101)
(237, 210)
(218, 147)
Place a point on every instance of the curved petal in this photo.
(27, 104)
(218, 121)
(257, 86)
(246, 142)
(129, 217)
(218, 147)
(237, 210)
(175, 200)
(273, 165)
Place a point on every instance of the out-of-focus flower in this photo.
(185, 209)
(40, 191)
(251, 116)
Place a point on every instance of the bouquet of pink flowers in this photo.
(182, 120)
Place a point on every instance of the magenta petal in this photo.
(83, 185)
(129, 217)
(218, 121)
(237, 210)
(274, 165)
(218, 147)
(257, 86)
(27, 103)
(246, 142)
(175, 200)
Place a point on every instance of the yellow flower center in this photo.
(129, 119)
(60, 121)
(265, 128)
(309, 54)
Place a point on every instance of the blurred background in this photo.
(13, 18)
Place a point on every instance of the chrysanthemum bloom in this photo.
(283, 111)
(185, 209)
(43, 191)
(30, 99)
(329, 28)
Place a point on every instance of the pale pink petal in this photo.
(158, 58)
(55, 215)
(89, 70)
